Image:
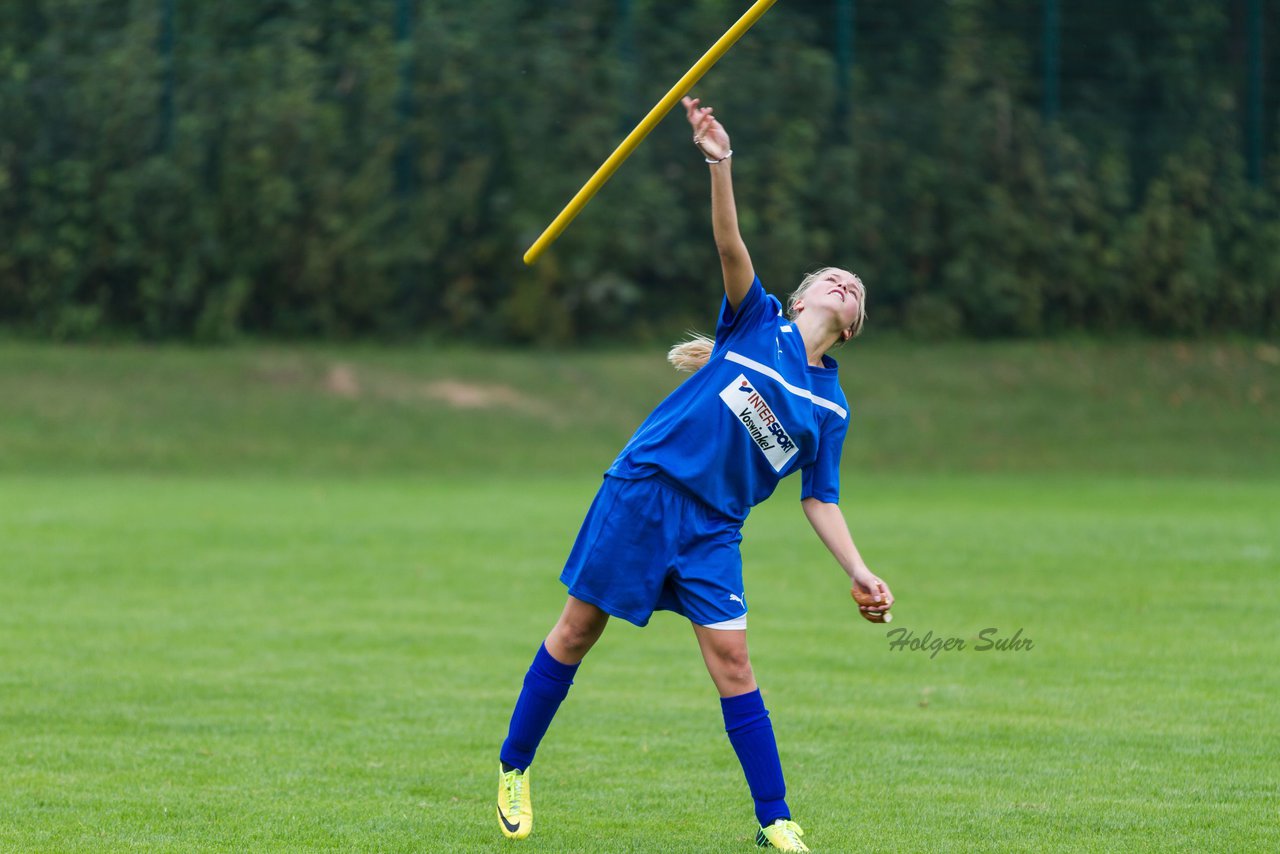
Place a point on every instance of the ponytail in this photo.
(690, 355)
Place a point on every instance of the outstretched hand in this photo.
(708, 134)
(873, 597)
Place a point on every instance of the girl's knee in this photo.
(575, 634)
(732, 664)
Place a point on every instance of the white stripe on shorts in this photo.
(729, 625)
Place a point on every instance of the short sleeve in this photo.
(756, 309)
(821, 478)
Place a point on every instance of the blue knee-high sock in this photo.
(747, 722)
(545, 686)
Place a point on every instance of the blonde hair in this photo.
(693, 353)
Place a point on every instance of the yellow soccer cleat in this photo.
(515, 804)
(783, 834)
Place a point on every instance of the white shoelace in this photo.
(514, 786)
(790, 830)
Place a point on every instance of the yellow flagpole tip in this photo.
(647, 124)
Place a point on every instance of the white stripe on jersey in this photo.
(796, 390)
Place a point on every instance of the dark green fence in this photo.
(171, 168)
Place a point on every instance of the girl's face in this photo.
(835, 292)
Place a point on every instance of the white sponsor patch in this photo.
(754, 414)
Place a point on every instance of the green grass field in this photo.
(275, 599)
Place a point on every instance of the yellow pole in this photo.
(623, 151)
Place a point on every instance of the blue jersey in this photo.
(755, 413)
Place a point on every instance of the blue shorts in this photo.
(645, 546)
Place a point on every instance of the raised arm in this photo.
(828, 522)
(713, 141)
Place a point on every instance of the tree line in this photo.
(339, 168)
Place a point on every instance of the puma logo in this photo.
(738, 599)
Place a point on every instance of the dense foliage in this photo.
(170, 168)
